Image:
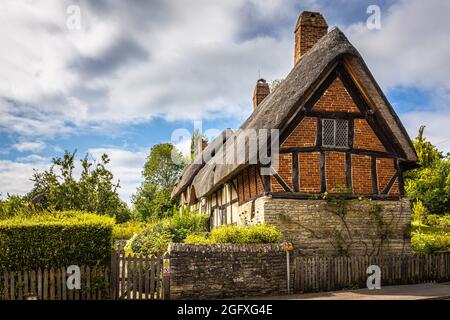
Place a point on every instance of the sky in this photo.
(117, 77)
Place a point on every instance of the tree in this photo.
(429, 184)
(197, 138)
(428, 154)
(163, 166)
(93, 192)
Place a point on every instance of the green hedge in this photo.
(55, 240)
(259, 233)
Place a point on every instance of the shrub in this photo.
(435, 220)
(152, 241)
(430, 243)
(155, 239)
(55, 240)
(125, 231)
(419, 212)
(182, 225)
(197, 239)
(260, 233)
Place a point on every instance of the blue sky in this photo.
(135, 71)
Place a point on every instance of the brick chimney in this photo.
(200, 145)
(261, 91)
(311, 26)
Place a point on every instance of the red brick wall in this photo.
(336, 99)
(365, 138)
(309, 173)
(285, 168)
(304, 135)
(275, 186)
(361, 174)
(385, 171)
(335, 172)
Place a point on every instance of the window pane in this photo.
(327, 132)
(341, 133)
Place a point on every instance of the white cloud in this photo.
(29, 146)
(125, 67)
(412, 50)
(15, 175)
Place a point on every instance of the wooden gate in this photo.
(136, 277)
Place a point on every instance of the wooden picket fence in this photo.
(127, 278)
(319, 273)
(50, 284)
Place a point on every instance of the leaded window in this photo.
(335, 133)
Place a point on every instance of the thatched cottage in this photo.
(342, 150)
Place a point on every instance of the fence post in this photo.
(114, 276)
(166, 276)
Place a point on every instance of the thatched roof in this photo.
(189, 172)
(280, 107)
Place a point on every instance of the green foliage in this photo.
(255, 234)
(94, 191)
(197, 239)
(427, 153)
(419, 212)
(152, 241)
(181, 225)
(430, 239)
(153, 203)
(435, 220)
(54, 240)
(430, 183)
(432, 187)
(14, 206)
(163, 166)
(155, 239)
(197, 138)
(125, 231)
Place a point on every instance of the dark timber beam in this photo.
(323, 182)
(374, 175)
(295, 172)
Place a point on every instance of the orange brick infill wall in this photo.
(361, 174)
(304, 135)
(336, 99)
(309, 172)
(335, 171)
(365, 138)
(385, 171)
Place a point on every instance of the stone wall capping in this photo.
(225, 248)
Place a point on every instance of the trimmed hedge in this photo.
(55, 240)
(255, 234)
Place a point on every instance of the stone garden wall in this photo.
(223, 271)
(350, 227)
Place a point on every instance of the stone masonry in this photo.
(224, 271)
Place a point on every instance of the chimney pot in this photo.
(261, 91)
(311, 26)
